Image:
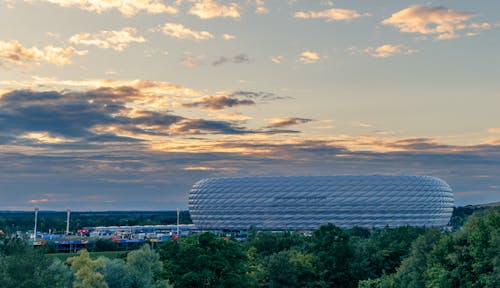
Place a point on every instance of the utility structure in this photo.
(68, 212)
(36, 218)
(178, 213)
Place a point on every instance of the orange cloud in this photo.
(333, 14)
(181, 32)
(388, 50)
(442, 22)
(207, 9)
(127, 8)
(114, 39)
(15, 53)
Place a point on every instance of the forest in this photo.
(466, 256)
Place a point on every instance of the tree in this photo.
(289, 268)
(205, 260)
(87, 271)
(29, 268)
(333, 252)
(143, 264)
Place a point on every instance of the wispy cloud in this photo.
(127, 8)
(278, 59)
(219, 102)
(15, 53)
(118, 40)
(181, 32)
(228, 37)
(440, 21)
(494, 130)
(287, 121)
(207, 9)
(388, 50)
(309, 57)
(333, 14)
(236, 59)
(190, 60)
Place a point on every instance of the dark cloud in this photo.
(237, 59)
(79, 115)
(219, 102)
(129, 172)
(105, 170)
(288, 121)
(233, 99)
(258, 95)
(201, 126)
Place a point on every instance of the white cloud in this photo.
(228, 36)
(190, 60)
(309, 57)
(442, 22)
(127, 8)
(114, 39)
(278, 59)
(181, 32)
(15, 53)
(207, 9)
(333, 14)
(388, 50)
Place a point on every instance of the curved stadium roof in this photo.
(307, 202)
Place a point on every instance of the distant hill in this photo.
(494, 204)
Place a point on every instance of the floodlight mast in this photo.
(68, 212)
(36, 217)
(178, 212)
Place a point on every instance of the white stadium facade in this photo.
(307, 202)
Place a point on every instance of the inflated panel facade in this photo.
(307, 202)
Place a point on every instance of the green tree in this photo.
(143, 266)
(87, 271)
(289, 268)
(206, 260)
(468, 258)
(30, 268)
(333, 253)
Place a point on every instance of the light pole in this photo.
(68, 212)
(36, 217)
(178, 212)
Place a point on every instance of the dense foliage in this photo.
(56, 221)
(330, 257)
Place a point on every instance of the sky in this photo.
(124, 105)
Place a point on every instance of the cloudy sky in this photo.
(110, 105)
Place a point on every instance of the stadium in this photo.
(307, 202)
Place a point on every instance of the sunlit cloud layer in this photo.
(127, 8)
(108, 105)
(118, 40)
(440, 21)
(13, 52)
(206, 9)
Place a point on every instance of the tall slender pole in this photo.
(178, 212)
(68, 212)
(34, 229)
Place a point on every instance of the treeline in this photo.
(330, 257)
(56, 220)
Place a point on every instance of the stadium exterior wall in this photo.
(307, 202)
